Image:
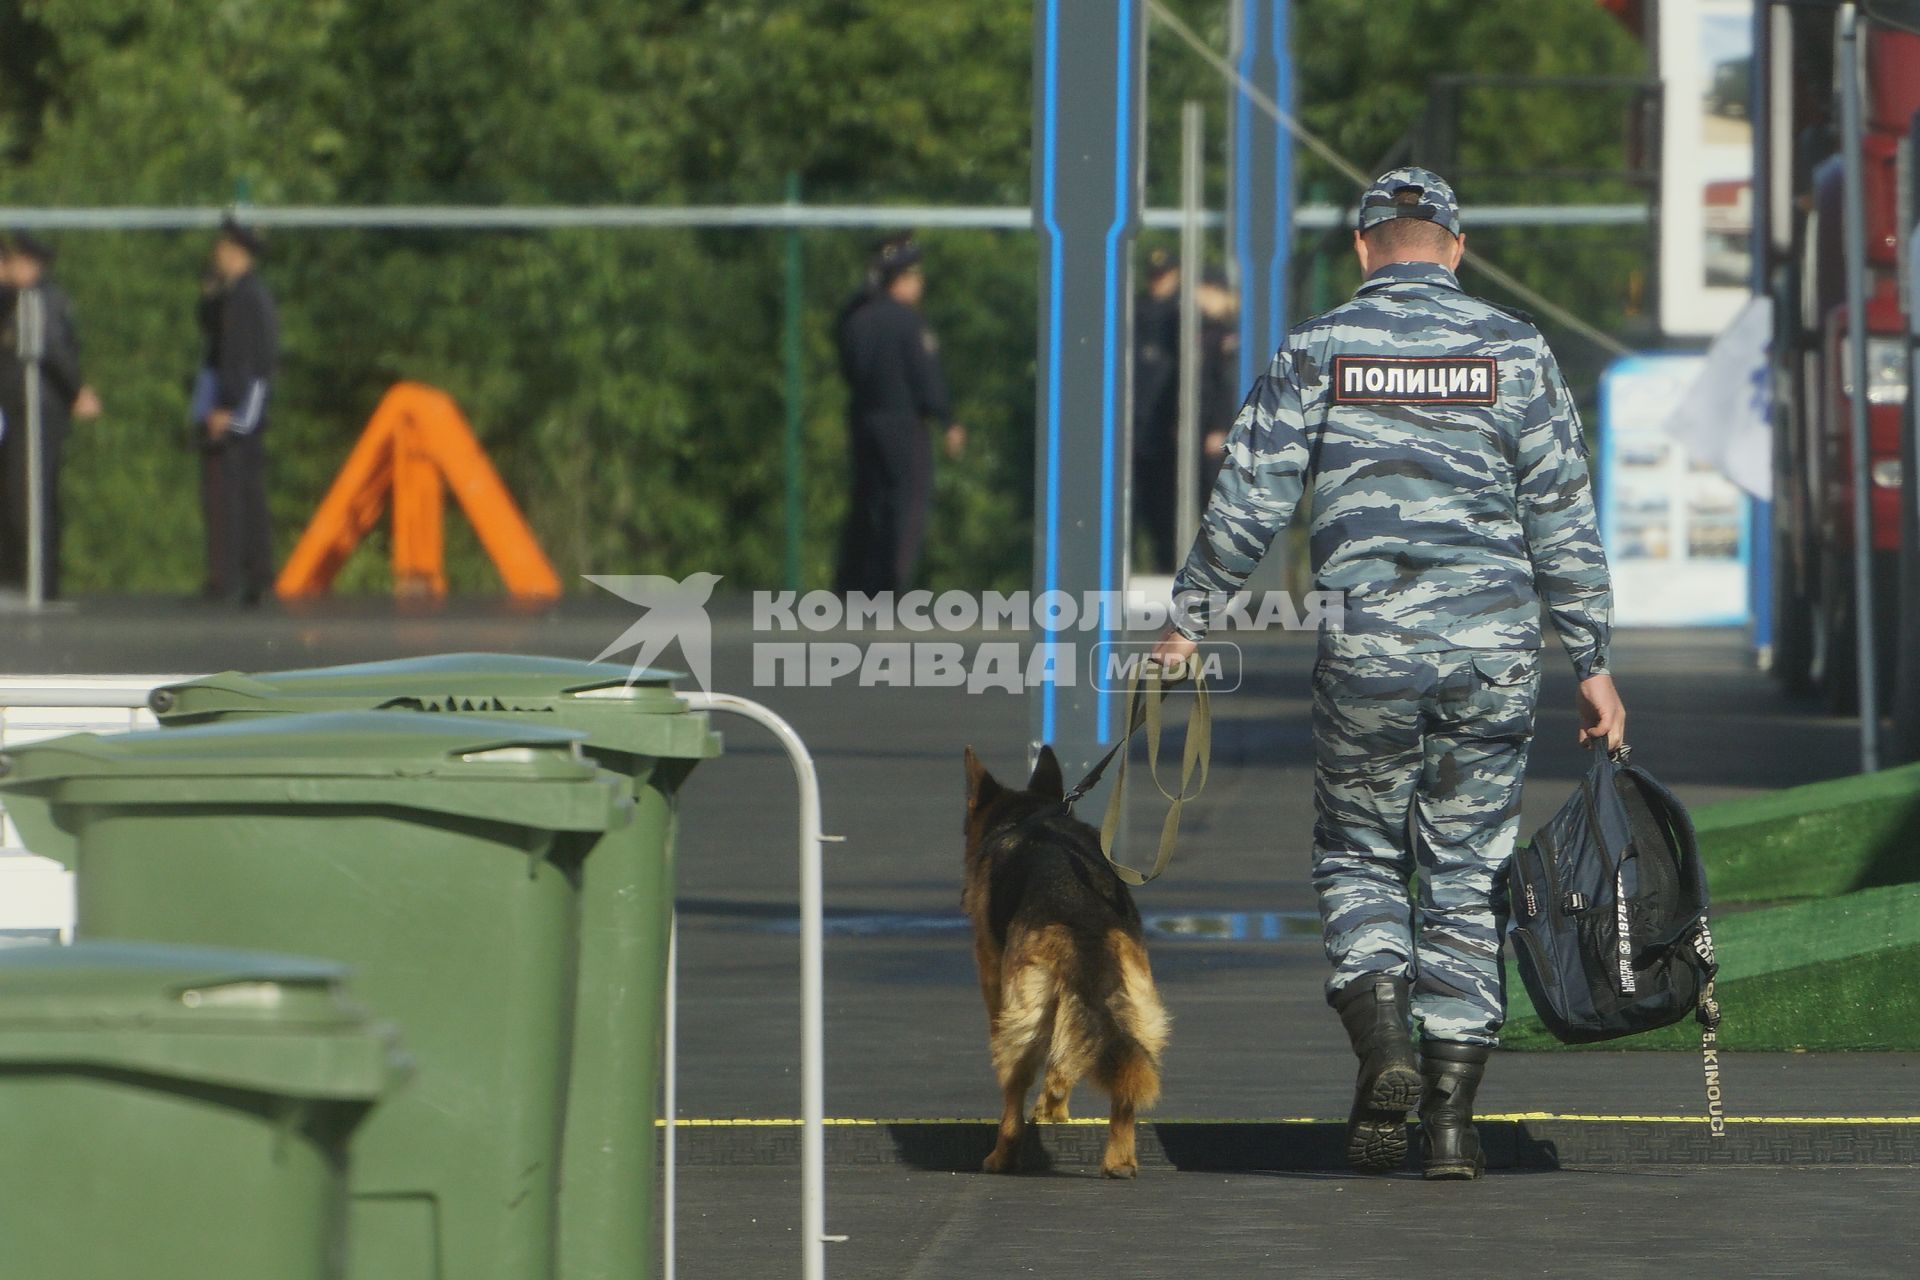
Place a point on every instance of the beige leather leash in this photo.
(1143, 709)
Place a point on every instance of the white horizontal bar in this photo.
(765, 216)
(127, 699)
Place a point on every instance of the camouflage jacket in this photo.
(1442, 456)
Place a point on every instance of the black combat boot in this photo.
(1452, 1073)
(1375, 1013)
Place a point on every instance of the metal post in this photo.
(1234, 148)
(30, 323)
(1907, 701)
(1186, 519)
(1851, 142)
(1906, 709)
(1319, 285)
(1087, 132)
(1261, 197)
(670, 1103)
(813, 1104)
(796, 390)
(1762, 91)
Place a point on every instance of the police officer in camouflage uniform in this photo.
(1446, 471)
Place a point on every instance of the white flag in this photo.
(1725, 419)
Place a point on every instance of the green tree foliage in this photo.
(1364, 78)
(629, 383)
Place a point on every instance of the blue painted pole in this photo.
(1262, 179)
(1089, 67)
(1261, 197)
(1760, 514)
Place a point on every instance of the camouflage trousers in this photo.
(1418, 761)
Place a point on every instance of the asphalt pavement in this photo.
(1235, 952)
(1747, 1223)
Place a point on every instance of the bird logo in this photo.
(676, 610)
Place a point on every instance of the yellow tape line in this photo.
(848, 1122)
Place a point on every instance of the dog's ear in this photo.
(980, 784)
(1047, 780)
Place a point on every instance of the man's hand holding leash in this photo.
(1174, 655)
(1602, 715)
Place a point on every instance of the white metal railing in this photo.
(36, 894)
(813, 1107)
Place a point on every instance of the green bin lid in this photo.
(241, 1019)
(620, 709)
(469, 767)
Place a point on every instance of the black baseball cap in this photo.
(28, 245)
(248, 238)
(895, 255)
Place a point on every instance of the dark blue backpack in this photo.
(1608, 911)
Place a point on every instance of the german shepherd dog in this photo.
(1062, 964)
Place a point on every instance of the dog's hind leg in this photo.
(1052, 1107)
(1069, 1057)
(1129, 1065)
(986, 958)
(1131, 1079)
(1021, 1036)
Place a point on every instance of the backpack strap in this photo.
(1708, 1012)
(1706, 962)
(1681, 821)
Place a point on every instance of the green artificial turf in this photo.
(1815, 841)
(1832, 974)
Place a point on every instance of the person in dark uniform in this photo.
(64, 396)
(1156, 407)
(891, 361)
(242, 336)
(1220, 394)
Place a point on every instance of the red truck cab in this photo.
(1886, 399)
(1814, 644)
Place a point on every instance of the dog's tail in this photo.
(1128, 1063)
(1081, 1016)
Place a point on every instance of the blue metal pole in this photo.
(1089, 64)
(1760, 240)
(1262, 195)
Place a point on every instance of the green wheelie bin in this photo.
(636, 726)
(439, 856)
(179, 1114)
